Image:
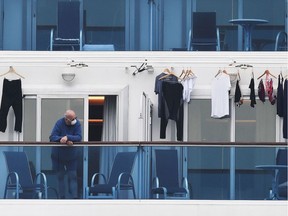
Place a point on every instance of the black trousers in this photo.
(285, 111)
(11, 96)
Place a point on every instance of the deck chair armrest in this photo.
(189, 40)
(10, 176)
(155, 183)
(279, 34)
(10, 182)
(41, 177)
(159, 190)
(185, 183)
(51, 38)
(127, 185)
(122, 175)
(218, 39)
(81, 40)
(94, 177)
(164, 189)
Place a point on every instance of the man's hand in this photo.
(64, 140)
(69, 143)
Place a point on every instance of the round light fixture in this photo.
(68, 77)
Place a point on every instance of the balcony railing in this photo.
(215, 170)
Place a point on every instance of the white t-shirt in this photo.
(220, 96)
(188, 86)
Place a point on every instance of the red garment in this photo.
(269, 89)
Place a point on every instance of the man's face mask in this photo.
(72, 122)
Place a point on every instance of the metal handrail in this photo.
(149, 143)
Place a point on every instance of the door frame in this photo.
(122, 112)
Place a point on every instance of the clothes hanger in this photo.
(189, 73)
(183, 73)
(167, 70)
(272, 74)
(238, 75)
(267, 72)
(252, 74)
(169, 73)
(219, 72)
(12, 70)
(186, 74)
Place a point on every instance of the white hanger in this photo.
(12, 70)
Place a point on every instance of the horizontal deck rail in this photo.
(148, 143)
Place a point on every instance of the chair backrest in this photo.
(204, 26)
(68, 19)
(123, 162)
(18, 162)
(281, 159)
(167, 168)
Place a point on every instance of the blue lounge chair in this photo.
(166, 183)
(120, 179)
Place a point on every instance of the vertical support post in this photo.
(232, 151)
(140, 170)
(286, 16)
(240, 29)
(232, 173)
(151, 2)
(85, 169)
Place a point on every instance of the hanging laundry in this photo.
(261, 91)
(172, 108)
(285, 110)
(11, 96)
(158, 88)
(220, 95)
(238, 95)
(188, 86)
(269, 89)
(280, 97)
(252, 92)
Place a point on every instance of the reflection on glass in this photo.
(208, 167)
(140, 25)
(254, 125)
